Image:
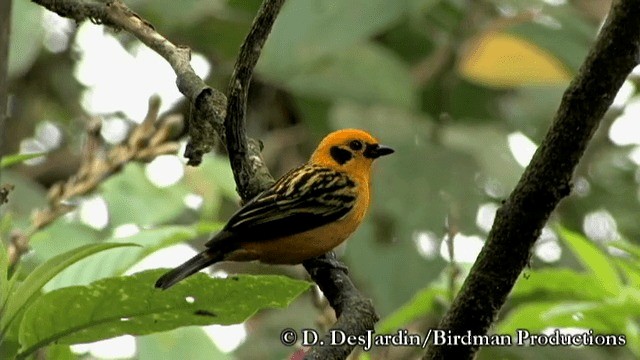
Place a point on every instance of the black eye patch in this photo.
(341, 156)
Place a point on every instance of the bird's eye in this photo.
(356, 145)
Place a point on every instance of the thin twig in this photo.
(209, 105)
(145, 142)
(545, 181)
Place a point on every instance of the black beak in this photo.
(374, 151)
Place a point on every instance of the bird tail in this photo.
(190, 267)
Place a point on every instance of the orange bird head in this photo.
(349, 150)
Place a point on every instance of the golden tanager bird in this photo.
(306, 213)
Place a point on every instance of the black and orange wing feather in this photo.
(303, 199)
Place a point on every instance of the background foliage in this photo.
(452, 85)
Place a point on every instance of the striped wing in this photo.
(305, 198)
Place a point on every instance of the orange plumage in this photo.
(306, 213)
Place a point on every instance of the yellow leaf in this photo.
(504, 60)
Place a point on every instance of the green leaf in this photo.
(117, 261)
(631, 271)
(131, 305)
(424, 303)
(46, 243)
(308, 30)
(321, 48)
(28, 290)
(593, 259)
(348, 75)
(10, 160)
(608, 316)
(132, 198)
(558, 284)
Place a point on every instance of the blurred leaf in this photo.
(320, 48)
(10, 160)
(183, 343)
(409, 42)
(422, 304)
(558, 284)
(132, 198)
(608, 316)
(629, 265)
(29, 289)
(593, 259)
(27, 35)
(365, 72)
(562, 33)
(308, 30)
(117, 261)
(530, 109)
(505, 60)
(631, 271)
(62, 236)
(488, 144)
(131, 305)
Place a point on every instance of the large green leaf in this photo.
(321, 48)
(568, 39)
(366, 72)
(46, 243)
(29, 289)
(117, 261)
(558, 284)
(308, 30)
(131, 305)
(593, 259)
(608, 316)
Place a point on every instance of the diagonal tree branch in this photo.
(212, 114)
(250, 173)
(545, 181)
